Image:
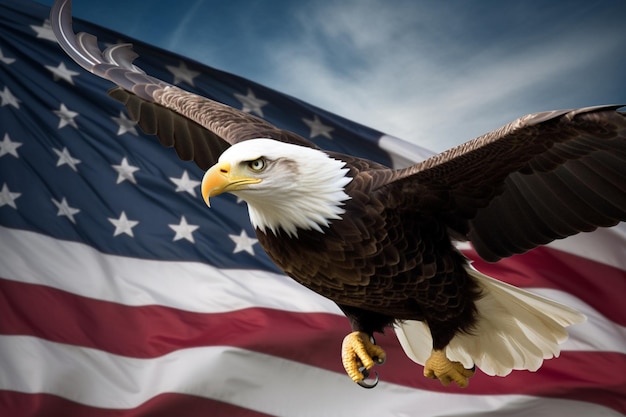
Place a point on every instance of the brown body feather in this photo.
(381, 263)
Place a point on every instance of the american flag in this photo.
(123, 295)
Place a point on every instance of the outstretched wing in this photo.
(198, 128)
(541, 177)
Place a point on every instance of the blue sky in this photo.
(433, 73)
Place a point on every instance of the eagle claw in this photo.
(438, 366)
(366, 374)
(359, 353)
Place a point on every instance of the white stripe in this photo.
(80, 269)
(192, 286)
(243, 378)
(403, 154)
(607, 246)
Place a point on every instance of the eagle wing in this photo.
(198, 128)
(539, 178)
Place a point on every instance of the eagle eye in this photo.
(257, 165)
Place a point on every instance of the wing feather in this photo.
(198, 128)
(542, 177)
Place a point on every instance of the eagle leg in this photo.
(359, 354)
(438, 366)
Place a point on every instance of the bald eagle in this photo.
(380, 242)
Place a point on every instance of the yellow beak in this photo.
(220, 179)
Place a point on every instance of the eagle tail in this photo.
(515, 329)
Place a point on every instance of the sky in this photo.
(433, 73)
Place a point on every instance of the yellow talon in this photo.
(438, 366)
(359, 354)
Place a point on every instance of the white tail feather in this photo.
(515, 330)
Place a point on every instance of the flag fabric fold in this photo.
(121, 294)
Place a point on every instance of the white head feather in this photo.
(301, 188)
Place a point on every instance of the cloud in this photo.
(399, 71)
(188, 16)
(433, 73)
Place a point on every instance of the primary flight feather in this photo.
(381, 242)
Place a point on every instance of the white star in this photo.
(250, 103)
(61, 72)
(66, 158)
(7, 98)
(66, 117)
(182, 74)
(9, 147)
(65, 209)
(318, 128)
(123, 225)
(7, 197)
(185, 183)
(6, 60)
(243, 242)
(44, 31)
(183, 230)
(125, 172)
(125, 125)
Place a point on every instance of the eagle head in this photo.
(286, 186)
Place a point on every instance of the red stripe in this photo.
(311, 338)
(153, 331)
(600, 286)
(596, 377)
(17, 404)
